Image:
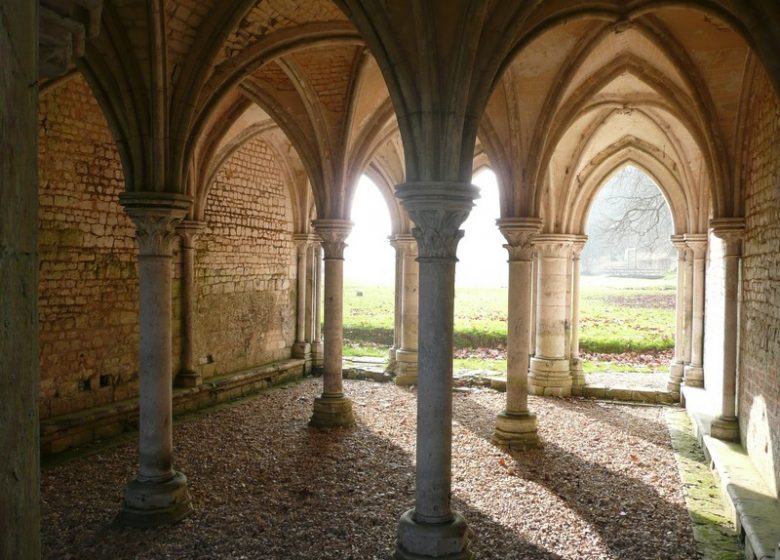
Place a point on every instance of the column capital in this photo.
(333, 233)
(697, 243)
(732, 232)
(437, 209)
(519, 234)
(155, 215)
(553, 244)
(188, 230)
(305, 240)
(577, 245)
(405, 243)
(678, 241)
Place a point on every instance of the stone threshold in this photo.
(749, 503)
(61, 433)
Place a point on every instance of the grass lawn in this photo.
(617, 315)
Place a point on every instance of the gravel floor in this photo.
(603, 486)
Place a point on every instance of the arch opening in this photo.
(627, 296)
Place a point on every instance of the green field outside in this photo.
(617, 316)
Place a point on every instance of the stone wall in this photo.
(759, 390)
(88, 306)
(245, 266)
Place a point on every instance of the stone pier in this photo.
(516, 425)
(158, 495)
(406, 355)
(332, 408)
(432, 528)
(550, 372)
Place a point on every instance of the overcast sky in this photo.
(370, 260)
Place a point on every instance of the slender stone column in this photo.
(406, 356)
(577, 375)
(678, 363)
(301, 348)
(333, 409)
(397, 303)
(311, 288)
(188, 376)
(158, 494)
(317, 347)
(432, 528)
(687, 338)
(20, 508)
(516, 425)
(550, 372)
(694, 374)
(731, 231)
(534, 293)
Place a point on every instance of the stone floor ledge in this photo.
(751, 505)
(61, 433)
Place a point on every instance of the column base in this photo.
(422, 541)
(726, 429)
(549, 377)
(317, 355)
(406, 367)
(693, 376)
(301, 350)
(676, 372)
(577, 376)
(150, 504)
(187, 378)
(515, 430)
(332, 411)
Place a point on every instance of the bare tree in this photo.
(638, 213)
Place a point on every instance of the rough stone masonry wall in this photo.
(245, 266)
(88, 306)
(759, 391)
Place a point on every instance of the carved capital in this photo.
(697, 243)
(438, 210)
(552, 245)
(732, 232)
(155, 216)
(405, 243)
(188, 231)
(519, 233)
(678, 241)
(577, 245)
(333, 234)
(304, 241)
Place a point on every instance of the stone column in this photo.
(432, 528)
(516, 425)
(534, 282)
(317, 347)
(311, 289)
(301, 349)
(678, 362)
(19, 355)
(693, 373)
(688, 323)
(406, 356)
(731, 231)
(188, 376)
(550, 372)
(577, 375)
(333, 409)
(158, 494)
(397, 303)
